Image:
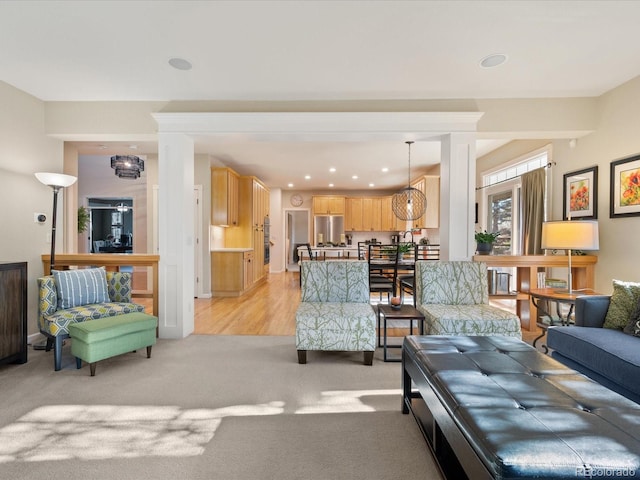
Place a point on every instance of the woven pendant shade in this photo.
(409, 203)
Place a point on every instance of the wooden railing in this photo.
(112, 261)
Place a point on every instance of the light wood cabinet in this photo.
(429, 185)
(353, 215)
(253, 209)
(390, 223)
(224, 197)
(328, 205)
(372, 214)
(231, 273)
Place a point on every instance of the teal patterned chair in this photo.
(334, 312)
(454, 299)
(54, 321)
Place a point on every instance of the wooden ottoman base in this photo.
(103, 338)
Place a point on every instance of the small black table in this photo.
(405, 312)
(541, 295)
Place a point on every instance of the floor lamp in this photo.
(570, 235)
(56, 181)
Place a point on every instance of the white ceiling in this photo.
(315, 51)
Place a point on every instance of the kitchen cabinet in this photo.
(13, 314)
(224, 197)
(250, 233)
(429, 185)
(372, 214)
(353, 215)
(390, 223)
(231, 272)
(328, 205)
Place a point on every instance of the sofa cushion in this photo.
(633, 327)
(469, 320)
(81, 287)
(58, 322)
(335, 326)
(609, 353)
(623, 302)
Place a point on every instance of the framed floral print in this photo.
(580, 194)
(625, 187)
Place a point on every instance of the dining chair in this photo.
(383, 269)
(406, 282)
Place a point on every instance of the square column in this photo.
(176, 235)
(457, 196)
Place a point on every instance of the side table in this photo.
(542, 295)
(405, 312)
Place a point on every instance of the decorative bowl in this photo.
(396, 307)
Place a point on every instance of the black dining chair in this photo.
(383, 269)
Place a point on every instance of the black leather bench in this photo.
(494, 407)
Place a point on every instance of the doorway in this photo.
(296, 235)
(110, 225)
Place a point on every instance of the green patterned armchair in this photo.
(454, 299)
(54, 321)
(334, 312)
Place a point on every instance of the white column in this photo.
(176, 234)
(457, 196)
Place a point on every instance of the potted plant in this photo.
(83, 219)
(485, 241)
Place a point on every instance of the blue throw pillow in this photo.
(81, 287)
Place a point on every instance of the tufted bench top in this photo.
(524, 414)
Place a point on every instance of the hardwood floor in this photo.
(268, 309)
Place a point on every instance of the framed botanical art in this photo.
(580, 194)
(625, 187)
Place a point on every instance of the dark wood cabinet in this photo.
(13, 312)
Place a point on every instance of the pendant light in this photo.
(409, 203)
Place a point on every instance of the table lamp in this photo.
(570, 235)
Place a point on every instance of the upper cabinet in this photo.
(390, 223)
(353, 215)
(328, 205)
(430, 186)
(224, 197)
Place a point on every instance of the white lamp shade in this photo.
(570, 235)
(56, 179)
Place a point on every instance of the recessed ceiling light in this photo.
(493, 60)
(331, 185)
(180, 63)
(355, 177)
(307, 177)
(385, 169)
(290, 185)
(332, 169)
(372, 184)
(133, 147)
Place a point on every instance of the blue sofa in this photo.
(610, 357)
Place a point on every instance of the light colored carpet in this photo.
(209, 407)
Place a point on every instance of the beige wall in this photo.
(24, 150)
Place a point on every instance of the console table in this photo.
(13, 312)
(527, 268)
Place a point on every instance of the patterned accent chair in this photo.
(54, 323)
(454, 299)
(334, 312)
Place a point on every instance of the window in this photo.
(501, 198)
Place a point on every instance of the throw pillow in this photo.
(623, 302)
(633, 327)
(81, 287)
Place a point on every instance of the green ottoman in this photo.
(95, 340)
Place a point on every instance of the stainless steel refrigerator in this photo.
(328, 228)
